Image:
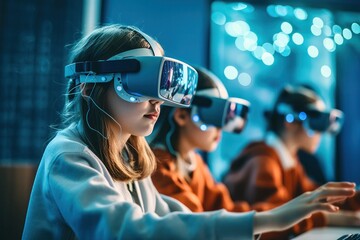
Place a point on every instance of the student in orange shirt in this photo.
(182, 172)
(270, 170)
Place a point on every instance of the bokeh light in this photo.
(313, 51)
(316, 31)
(218, 18)
(318, 22)
(267, 58)
(286, 27)
(250, 41)
(297, 38)
(258, 52)
(286, 51)
(281, 10)
(271, 11)
(325, 71)
(230, 72)
(347, 33)
(244, 79)
(329, 44)
(327, 30)
(336, 29)
(300, 14)
(269, 48)
(355, 27)
(338, 38)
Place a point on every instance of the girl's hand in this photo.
(303, 206)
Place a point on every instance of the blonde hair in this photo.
(131, 161)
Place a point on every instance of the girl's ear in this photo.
(85, 89)
(181, 116)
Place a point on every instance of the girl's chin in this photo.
(309, 150)
(145, 133)
(209, 148)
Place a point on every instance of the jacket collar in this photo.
(286, 159)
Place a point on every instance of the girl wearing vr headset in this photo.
(93, 181)
(181, 172)
(270, 171)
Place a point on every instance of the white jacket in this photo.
(74, 197)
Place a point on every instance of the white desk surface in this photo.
(326, 233)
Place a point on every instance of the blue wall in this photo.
(181, 26)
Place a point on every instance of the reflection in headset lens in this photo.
(178, 82)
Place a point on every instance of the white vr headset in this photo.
(229, 114)
(141, 74)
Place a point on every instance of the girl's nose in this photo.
(155, 101)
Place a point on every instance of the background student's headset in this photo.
(141, 74)
(314, 119)
(229, 114)
(212, 107)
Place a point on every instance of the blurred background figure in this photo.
(270, 170)
(185, 134)
(182, 132)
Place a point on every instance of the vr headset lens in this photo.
(235, 118)
(336, 121)
(178, 82)
(327, 121)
